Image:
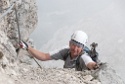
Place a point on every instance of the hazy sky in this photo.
(56, 14)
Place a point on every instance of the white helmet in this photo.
(80, 37)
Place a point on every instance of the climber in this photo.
(74, 56)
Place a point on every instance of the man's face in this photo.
(75, 49)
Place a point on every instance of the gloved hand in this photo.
(23, 45)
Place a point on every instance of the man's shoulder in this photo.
(60, 54)
(85, 56)
(64, 51)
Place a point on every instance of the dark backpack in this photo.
(92, 53)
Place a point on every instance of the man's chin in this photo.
(75, 55)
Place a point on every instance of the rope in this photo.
(37, 63)
(18, 25)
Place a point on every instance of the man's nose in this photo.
(75, 47)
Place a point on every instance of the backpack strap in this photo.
(78, 66)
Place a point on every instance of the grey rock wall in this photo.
(9, 38)
(27, 18)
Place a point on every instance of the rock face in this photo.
(27, 19)
(16, 69)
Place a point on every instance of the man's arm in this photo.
(91, 65)
(44, 56)
(89, 62)
(38, 54)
